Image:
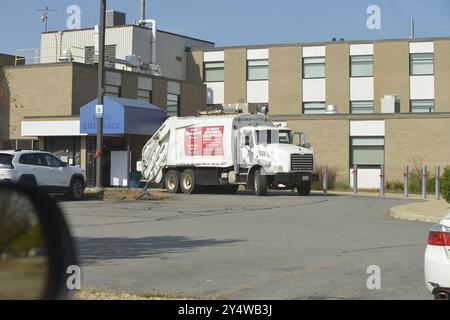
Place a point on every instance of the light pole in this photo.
(100, 91)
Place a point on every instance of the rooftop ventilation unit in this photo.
(115, 18)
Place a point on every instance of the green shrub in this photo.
(445, 184)
(318, 185)
(394, 186)
(415, 181)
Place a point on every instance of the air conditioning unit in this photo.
(390, 104)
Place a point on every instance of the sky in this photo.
(237, 22)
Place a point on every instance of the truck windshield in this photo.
(273, 136)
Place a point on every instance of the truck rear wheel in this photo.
(188, 181)
(304, 189)
(172, 181)
(260, 183)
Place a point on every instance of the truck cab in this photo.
(269, 151)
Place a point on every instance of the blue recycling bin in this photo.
(135, 178)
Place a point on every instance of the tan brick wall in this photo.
(84, 86)
(38, 91)
(414, 142)
(235, 75)
(129, 85)
(194, 66)
(338, 76)
(160, 93)
(330, 141)
(391, 72)
(192, 98)
(442, 75)
(285, 80)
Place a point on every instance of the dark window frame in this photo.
(366, 166)
(204, 71)
(420, 75)
(247, 71)
(324, 64)
(362, 55)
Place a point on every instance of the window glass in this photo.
(314, 107)
(5, 160)
(314, 67)
(367, 151)
(52, 161)
(214, 71)
(421, 64)
(112, 91)
(422, 106)
(361, 66)
(361, 107)
(173, 104)
(144, 95)
(37, 159)
(257, 70)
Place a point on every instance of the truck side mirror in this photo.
(247, 140)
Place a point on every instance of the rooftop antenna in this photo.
(411, 26)
(44, 16)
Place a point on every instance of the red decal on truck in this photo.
(212, 141)
(193, 141)
(206, 141)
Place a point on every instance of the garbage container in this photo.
(135, 177)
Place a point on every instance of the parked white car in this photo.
(437, 260)
(42, 169)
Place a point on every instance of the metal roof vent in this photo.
(331, 109)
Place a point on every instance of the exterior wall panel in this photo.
(391, 72)
(442, 75)
(338, 76)
(285, 80)
(235, 75)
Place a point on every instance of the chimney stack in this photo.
(142, 10)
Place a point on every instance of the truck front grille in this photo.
(302, 162)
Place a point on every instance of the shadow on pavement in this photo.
(93, 250)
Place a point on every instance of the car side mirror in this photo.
(65, 164)
(36, 248)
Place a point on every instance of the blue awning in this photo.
(122, 116)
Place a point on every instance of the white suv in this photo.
(437, 260)
(44, 170)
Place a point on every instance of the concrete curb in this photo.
(427, 211)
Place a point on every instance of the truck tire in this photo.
(260, 183)
(304, 189)
(76, 189)
(188, 182)
(172, 181)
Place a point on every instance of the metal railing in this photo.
(50, 55)
(406, 174)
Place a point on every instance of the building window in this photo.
(257, 70)
(421, 64)
(173, 104)
(361, 66)
(144, 95)
(91, 58)
(359, 107)
(422, 106)
(367, 151)
(112, 91)
(314, 108)
(314, 68)
(214, 71)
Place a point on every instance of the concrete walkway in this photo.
(429, 210)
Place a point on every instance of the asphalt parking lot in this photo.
(245, 247)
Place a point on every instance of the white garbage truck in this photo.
(220, 152)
